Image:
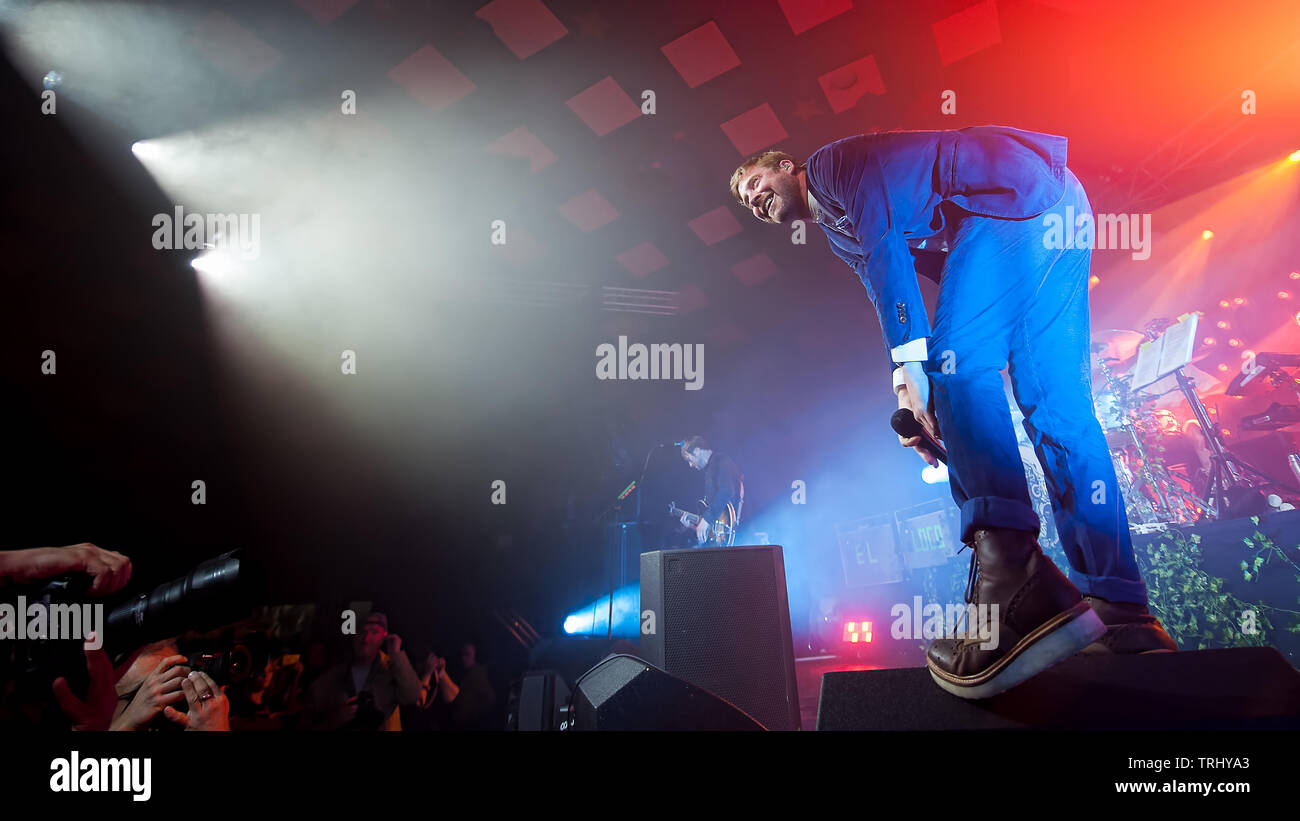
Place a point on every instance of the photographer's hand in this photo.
(111, 571)
(209, 707)
(159, 689)
(96, 712)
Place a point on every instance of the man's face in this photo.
(693, 459)
(773, 195)
(368, 640)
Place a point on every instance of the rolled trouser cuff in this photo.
(1110, 588)
(985, 512)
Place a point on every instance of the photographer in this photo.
(364, 692)
(109, 572)
(142, 697)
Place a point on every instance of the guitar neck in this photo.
(693, 517)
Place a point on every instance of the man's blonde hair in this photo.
(763, 159)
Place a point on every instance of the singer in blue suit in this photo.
(1013, 293)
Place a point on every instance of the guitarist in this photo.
(723, 483)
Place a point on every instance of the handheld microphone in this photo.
(906, 426)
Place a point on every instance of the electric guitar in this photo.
(721, 533)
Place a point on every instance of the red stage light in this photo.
(1223, 324)
(1209, 340)
(857, 632)
(1283, 294)
(1239, 301)
(1223, 303)
(1207, 234)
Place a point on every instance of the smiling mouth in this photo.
(767, 206)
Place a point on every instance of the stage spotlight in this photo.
(1295, 274)
(146, 150)
(214, 262)
(593, 620)
(1234, 342)
(1224, 325)
(52, 80)
(1093, 281)
(1294, 156)
(1207, 234)
(934, 475)
(1239, 301)
(1223, 303)
(1283, 294)
(1209, 340)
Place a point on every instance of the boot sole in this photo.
(1054, 641)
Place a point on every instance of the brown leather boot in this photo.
(1041, 618)
(1130, 629)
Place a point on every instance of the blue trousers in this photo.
(1007, 301)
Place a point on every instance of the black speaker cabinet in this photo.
(626, 693)
(719, 618)
(543, 702)
(1239, 688)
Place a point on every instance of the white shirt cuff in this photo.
(914, 351)
(898, 379)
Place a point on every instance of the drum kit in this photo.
(1161, 466)
(1170, 472)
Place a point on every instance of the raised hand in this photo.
(209, 709)
(96, 711)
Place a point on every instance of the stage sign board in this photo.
(869, 550)
(928, 534)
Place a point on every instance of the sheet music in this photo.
(1171, 351)
(1179, 341)
(1147, 369)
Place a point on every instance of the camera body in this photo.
(230, 665)
(215, 592)
(368, 717)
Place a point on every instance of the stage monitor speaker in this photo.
(626, 693)
(543, 703)
(1240, 688)
(719, 618)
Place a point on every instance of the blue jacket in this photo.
(877, 191)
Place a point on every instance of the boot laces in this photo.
(972, 593)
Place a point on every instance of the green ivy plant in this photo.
(1193, 606)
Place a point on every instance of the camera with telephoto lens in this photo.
(216, 592)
